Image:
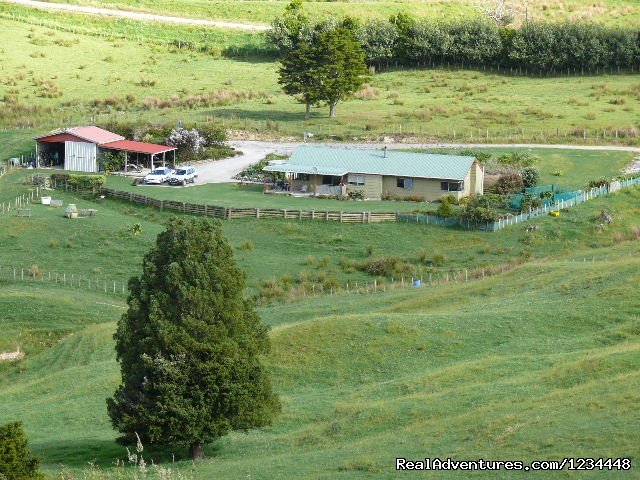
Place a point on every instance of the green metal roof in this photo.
(312, 170)
(339, 161)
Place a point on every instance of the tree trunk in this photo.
(307, 113)
(332, 110)
(197, 452)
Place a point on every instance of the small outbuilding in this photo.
(338, 171)
(78, 149)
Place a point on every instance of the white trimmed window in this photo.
(451, 186)
(406, 183)
(355, 179)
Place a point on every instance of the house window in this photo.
(355, 179)
(304, 177)
(406, 183)
(451, 186)
(330, 180)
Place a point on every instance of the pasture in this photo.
(263, 11)
(462, 371)
(55, 78)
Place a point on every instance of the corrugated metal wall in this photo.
(80, 156)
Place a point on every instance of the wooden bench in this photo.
(24, 212)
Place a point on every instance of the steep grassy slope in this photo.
(538, 363)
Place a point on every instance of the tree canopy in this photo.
(189, 345)
(326, 66)
(16, 462)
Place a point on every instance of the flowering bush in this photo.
(190, 143)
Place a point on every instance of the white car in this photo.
(183, 175)
(159, 176)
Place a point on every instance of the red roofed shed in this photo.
(78, 148)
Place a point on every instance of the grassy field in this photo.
(539, 362)
(55, 78)
(329, 254)
(547, 371)
(263, 11)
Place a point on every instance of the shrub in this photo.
(246, 245)
(414, 198)
(438, 259)
(390, 196)
(310, 260)
(383, 266)
(530, 177)
(518, 159)
(190, 143)
(111, 161)
(213, 135)
(451, 198)
(85, 182)
(356, 195)
(369, 250)
(558, 173)
(323, 262)
(598, 183)
(16, 462)
(509, 183)
(529, 201)
(446, 209)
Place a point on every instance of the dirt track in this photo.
(136, 15)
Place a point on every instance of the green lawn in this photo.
(578, 167)
(263, 11)
(251, 196)
(46, 85)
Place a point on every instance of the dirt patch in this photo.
(634, 167)
(11, 356)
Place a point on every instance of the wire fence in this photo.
(77, 281)
(275, 127)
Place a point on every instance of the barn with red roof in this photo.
(78, 149)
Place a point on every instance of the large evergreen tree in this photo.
(298, 75)
(341, 69)
(189, 345)
(16, 462)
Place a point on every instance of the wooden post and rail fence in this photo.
(232, 213)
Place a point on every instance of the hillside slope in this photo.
(538, 363)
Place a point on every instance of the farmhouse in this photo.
(78, 149)
(338, 171)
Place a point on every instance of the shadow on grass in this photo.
(104, 453)
(263, 115)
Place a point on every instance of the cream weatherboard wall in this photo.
(424, 187)
(375, 185)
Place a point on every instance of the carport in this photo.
(149, 150)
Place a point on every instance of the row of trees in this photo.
(409, 40)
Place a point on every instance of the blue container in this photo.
(417, 283)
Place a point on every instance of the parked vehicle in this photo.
(159, 176)
(183, 175)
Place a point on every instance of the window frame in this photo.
(404, 181)
(359, 179)
(458, 184)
